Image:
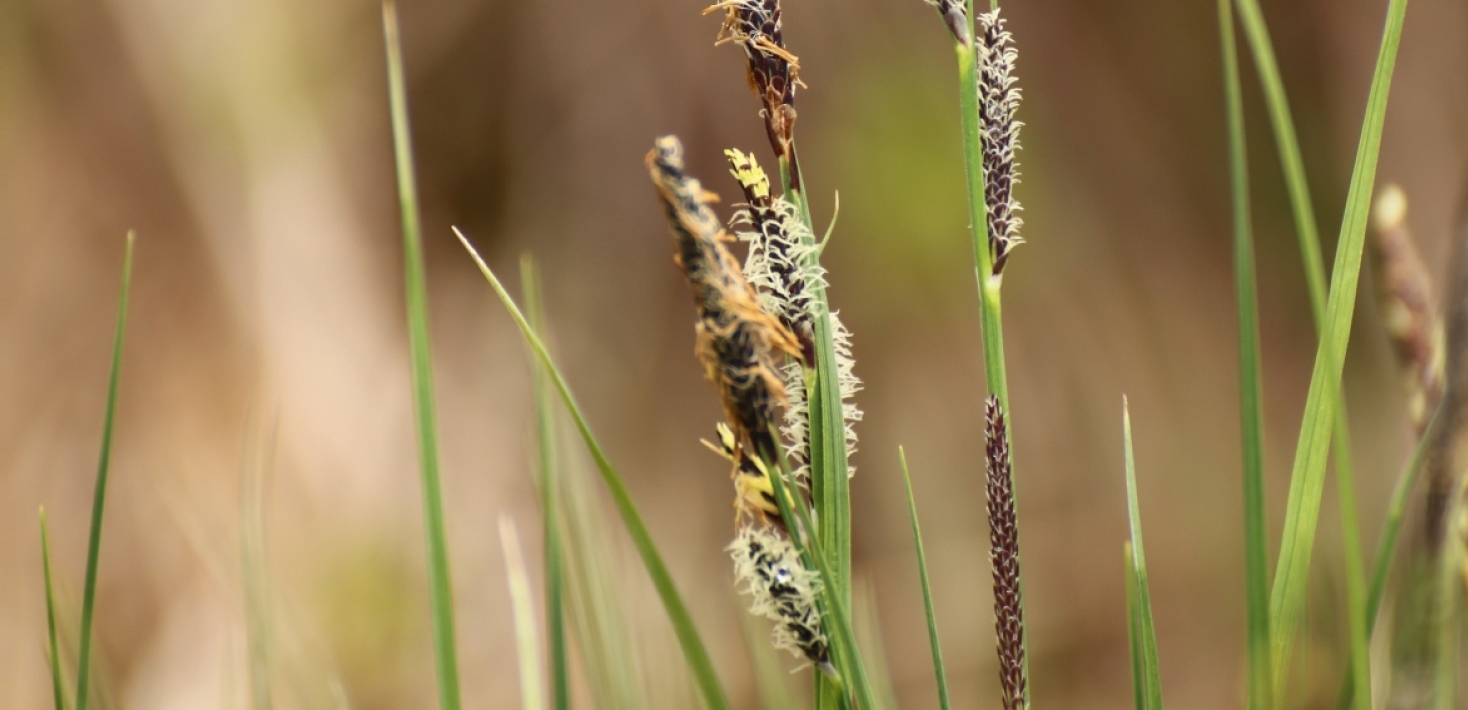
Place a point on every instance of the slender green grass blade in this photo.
(1386, 548)
(1134, 630)
(1307, 477)
(57, 684)
(1288, 146)
(416, 292)
(940, 676)
(532, 697)
(545, 438)
(830, 484)
(693, 648)
(1251, 387)
(99, 493)
(836, 614)
(1150, 676)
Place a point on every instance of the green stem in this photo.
(99, 492)
(440, 581)
(990, 312)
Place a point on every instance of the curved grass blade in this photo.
(939, 675)
(1251, 386)
(1308, 235)
(99, 492)
(1307, 476)
(693, 649)
(440, 581)
(555, 611)
(527, 644)
(53, 653)
(1146, 673)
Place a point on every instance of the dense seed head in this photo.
(998, 102)
(1009, 625)
(736, 340)
(767, 567)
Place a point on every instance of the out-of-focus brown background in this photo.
(247, 142)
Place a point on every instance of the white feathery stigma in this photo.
(783, 268)
(767, 567)
(998, 102)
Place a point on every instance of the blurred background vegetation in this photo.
(248, 144)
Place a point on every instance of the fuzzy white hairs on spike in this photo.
(767, 567)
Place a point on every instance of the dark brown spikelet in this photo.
(955, 16)
(999, 135)
(736, 340)
(780, 250)
(774, 73)
(1409, 308)
(1009, 623)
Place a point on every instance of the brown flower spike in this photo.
(1009, 623)
(955, 15)
(998, 102)
(774, 73)
(736, 340)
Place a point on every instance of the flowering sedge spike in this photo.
(1009, 623)
(998, 101)
(779, 265)
(754, 495)
(774, 73)
(782, 268)
(735, 339)
(955, 15)
(1409, 308)
(767, 567)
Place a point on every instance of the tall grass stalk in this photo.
(989, 281)
(694, 651)
(99, 491)
(546, 478)
(58, 691)
(940, 676)
(1146, 666)
(440, 581)
(1308, 236)
(1307, 477)
(1251, 386)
